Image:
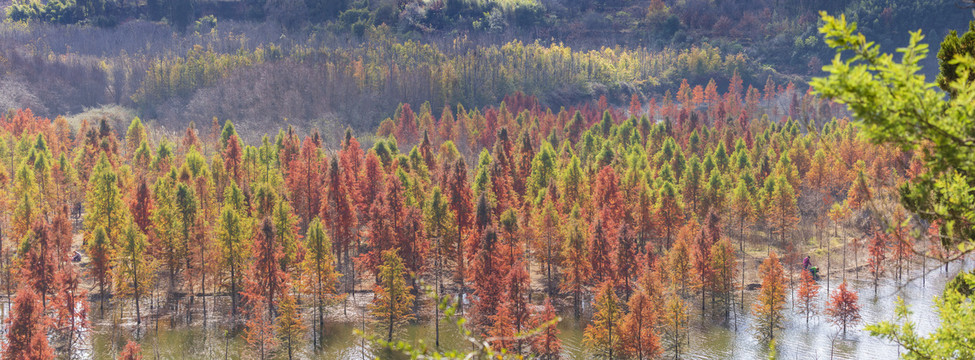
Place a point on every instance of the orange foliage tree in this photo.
(771, 299)
(842, 308)
(808, 290)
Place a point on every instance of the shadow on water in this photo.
(821, 340)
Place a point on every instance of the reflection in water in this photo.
(821, 340)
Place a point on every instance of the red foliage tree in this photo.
(70, 306)
(305, 180)
(141, 206)
(640, 339)
(38, 263)
(546, 346)
(407, 129)
(516, 290)
(842, 308)
(601, 248)
(233, 159)
(808, 290)
(486, 273)
(461, 204)
(265, 281)
(339, 213)
(878, 253)
(27, 329)
(132, 351)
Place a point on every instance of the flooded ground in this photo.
(821, 340)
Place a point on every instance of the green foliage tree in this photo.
(393, 305)
(895, 105)
(103, 202)
(321, 278)
(134, 266)
(604, 333)
(951, 47)
(951, 340)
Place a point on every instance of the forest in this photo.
(485, 179)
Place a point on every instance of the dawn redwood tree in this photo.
(261, 329)
(517, 283)
(25, 209)
(878, 253)
(708, 235)
(104, 206)
(70, 307)
(233, 161)
(141, 206)
(393, 304)
(319, 275)
(167, 229)
(487, 273)
(602, 241)
(575, 270)
(305, 174)
(230, 232)
(771, 298)
(290, 327)
(783, 211)
(338, 212)
(546, 345)
(37, 262)
(413, 243)
(817, 180)
(607, 197)
(387, 220)
(604, 331)
(901, 243)
(625, 257)
(502, 331)
(740, 205)
(675, 323)
(286, 234)
(722, 261)
(187, 209)
(265, 282)
(27, 329)
(440, 226)
(134, 267)
(859, 193)
(101, 254)
(842, 308)
(461, 204)
(639, 328)
(547, 241)
(670, 212)
(352, 161)
(678, 265)
(134, 136)
(808, 291)
(131, 351)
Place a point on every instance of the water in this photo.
(821, 340)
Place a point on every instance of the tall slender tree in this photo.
(771, 299)
(604, 332)
(321, 277)
(393, 305)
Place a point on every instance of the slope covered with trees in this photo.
(656, 202)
